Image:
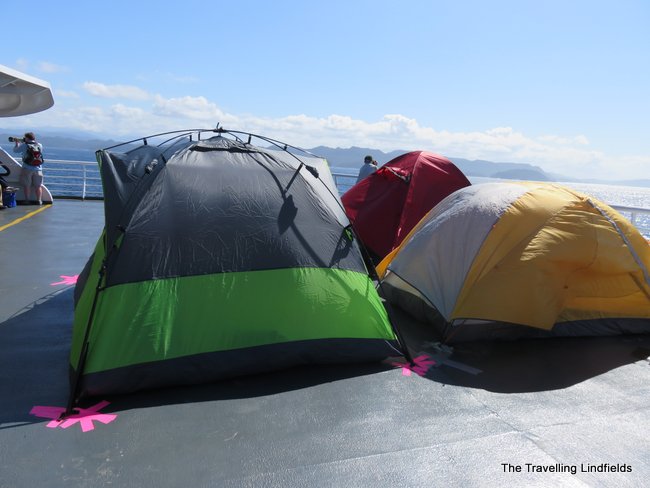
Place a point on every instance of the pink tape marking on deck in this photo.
(420, 366)
(66, 280)
(84, 416)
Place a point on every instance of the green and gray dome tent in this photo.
(220, 259)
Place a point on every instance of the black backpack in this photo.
(34, 155)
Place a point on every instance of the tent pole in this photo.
(84, 350)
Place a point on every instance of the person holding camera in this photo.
(31, 175)
(369, 167)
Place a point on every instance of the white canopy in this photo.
(21, 94)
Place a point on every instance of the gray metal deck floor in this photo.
(556, 403)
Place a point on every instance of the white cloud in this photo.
(122, 111)
(65, 94)
(115, 91)
(582, 140)
(168, 76)
(571, 155)
(47, 67)
(194, 108)
(22, 64)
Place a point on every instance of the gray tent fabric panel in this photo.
(223, 206)
(122, 175)
(434, 261)
(479, 330)
(323, 186)
(219, 365)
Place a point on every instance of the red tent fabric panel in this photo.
(375, 209)
(386, 205)
(434, 177)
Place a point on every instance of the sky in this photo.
(564, 85)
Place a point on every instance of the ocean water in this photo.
(613, 195)
(626, 196)
(66, 180)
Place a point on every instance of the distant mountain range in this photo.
(64, 142)
(353, 158)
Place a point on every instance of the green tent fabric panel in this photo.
(171, 318)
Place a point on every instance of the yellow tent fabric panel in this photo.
(541, 264)
(625, 293)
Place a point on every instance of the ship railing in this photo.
(344, 181)
(638, 216)
(80, 179)
(73, 179)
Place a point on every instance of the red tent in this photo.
(386, 205)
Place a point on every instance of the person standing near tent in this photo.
(31, 176)
(369, 167)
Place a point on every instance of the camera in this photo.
(16, 139)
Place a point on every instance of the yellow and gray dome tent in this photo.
(505, 260)
(220, 258)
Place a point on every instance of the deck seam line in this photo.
(24, 217)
